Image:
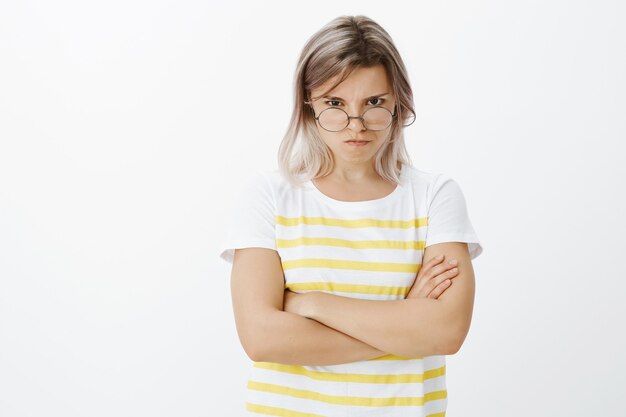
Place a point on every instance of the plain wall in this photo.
(126, 128)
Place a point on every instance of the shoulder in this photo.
(279, 184)
(432, 184)
(269, 184)
(423, 179)
(256, 187)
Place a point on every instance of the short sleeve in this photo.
(448, 219)
(252, 221)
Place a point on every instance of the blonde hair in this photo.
(341, 46)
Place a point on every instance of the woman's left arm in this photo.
(414, 327)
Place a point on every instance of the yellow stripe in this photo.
(352, 223)
(435, 373)
(349, 288)
(355, 265)
(355, 244)
(358, 378)
(435, 395)
(442, 414)
(276, 411)
(346, 400)
(391, 357)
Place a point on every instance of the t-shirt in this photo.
(364, 249)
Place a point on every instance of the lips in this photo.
(358, 143)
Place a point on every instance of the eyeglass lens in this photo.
(377, 118)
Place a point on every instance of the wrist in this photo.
(312, 304)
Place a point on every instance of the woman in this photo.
(343, 259)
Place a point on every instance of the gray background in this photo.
(126, 128)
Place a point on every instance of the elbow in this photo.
(251, 345)
(445, 346)
(455, 341)
(453, 348)
(457, 327)
(257, 335)
(254, 355)
(252, 348)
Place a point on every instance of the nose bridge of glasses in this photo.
(356, 122)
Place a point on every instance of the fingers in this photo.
(435, 293)
(443, 267)
(433, 278)
(441, 278)
(436, 266)
(434, 261)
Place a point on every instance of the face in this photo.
(362, 89)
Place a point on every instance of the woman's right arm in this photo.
(269, 334)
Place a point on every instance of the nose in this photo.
(356, 124)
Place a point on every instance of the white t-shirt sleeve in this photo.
(448, 219)
(252, 221)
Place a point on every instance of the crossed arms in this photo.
(329, 329)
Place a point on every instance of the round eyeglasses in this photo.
(334, 119)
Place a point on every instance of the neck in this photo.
(354, 173)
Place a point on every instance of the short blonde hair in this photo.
(341, 46)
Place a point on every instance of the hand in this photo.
(433, 278)
(296, 303)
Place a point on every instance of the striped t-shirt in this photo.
(364, 249)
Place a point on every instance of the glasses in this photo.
(334, 119)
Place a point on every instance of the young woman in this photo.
(344, 257)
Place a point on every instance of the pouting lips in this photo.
(357, 142)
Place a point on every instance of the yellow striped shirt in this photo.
(363, 249)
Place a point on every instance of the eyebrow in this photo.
(367, 98)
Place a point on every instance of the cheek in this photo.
(381, 137)
(328, 137)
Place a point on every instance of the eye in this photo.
(329, 103)
(380, 101)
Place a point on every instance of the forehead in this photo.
(362, 82)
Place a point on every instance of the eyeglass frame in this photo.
(317, 118)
